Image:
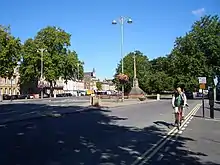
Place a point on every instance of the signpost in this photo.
(202, 82)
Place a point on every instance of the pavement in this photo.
(197, 143)
(87, 136)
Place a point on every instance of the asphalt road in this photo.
(114, 136)
(198, 144)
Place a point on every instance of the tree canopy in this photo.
(195, 54)
(143, 67)
(10, 52)
(58, 59)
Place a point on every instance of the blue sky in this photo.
(156, 24)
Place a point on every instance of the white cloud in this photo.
(198, 12)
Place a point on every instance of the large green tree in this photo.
(30, 66)
(143, 70)
(72, 67)
(197, 53)
(56, 41)
(10, 52)
(58, 60)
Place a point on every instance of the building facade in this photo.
(10, 86)
(73, 87)
(90, 80)
(108, 85)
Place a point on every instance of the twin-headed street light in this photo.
(122, 20)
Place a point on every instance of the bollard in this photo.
(54, 95)
(91, 100)
(211, 102)
(158, 96)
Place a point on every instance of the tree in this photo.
(56, 42)
(160, 81)
(197, 53)
(159, 64)
(72, 67)
(10, 52)
(99, 85)
(30, 66)
(143, 70)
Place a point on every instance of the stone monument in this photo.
(136, 91)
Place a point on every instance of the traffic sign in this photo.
(202, 86)
(202, 80)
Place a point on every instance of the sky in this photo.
(156, 24)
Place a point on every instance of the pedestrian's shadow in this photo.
(168, 125)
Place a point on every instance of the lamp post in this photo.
(122, 20)
(41, 69)
(12, 78)
(78, 79)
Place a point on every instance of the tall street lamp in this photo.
(12, 78)
(78, 79)
(122, 20)
(41, 69)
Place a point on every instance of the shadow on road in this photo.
(168, 125)
(77, 138)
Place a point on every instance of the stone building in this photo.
(90, 80)
(108, 85)
(11, 85)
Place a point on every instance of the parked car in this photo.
(22, 96)
(189, 95)
(6, 97)
(199, 94)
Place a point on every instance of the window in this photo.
(13, 81)
(8, 81)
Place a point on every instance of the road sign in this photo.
(202, 86)
(202, 80)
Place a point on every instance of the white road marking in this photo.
(161, 143)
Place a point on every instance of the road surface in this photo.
(111, 136)
(197, 143)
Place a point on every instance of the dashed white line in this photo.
(180, 132)
(183, 128)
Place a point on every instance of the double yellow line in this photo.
(156, 147)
